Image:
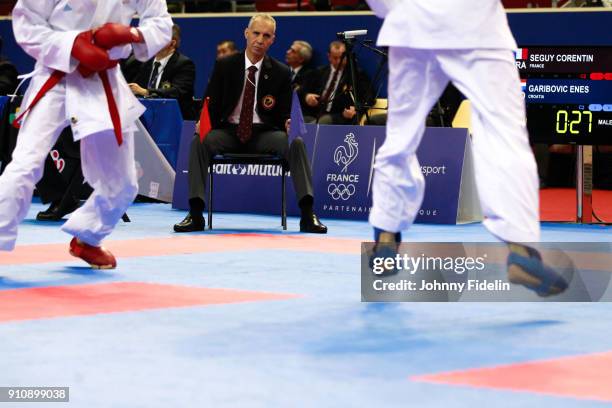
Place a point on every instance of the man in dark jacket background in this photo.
(327, 94)
(169, 75)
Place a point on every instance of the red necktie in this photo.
(329, 90)
(245, 126)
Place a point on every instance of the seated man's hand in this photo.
(138, 90)
(287, 125)
(312, 99)
(197, 127)
(349, 113)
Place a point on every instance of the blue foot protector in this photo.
(378, 231)
(551, 282)
(384, 250)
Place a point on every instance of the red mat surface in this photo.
(82, 300)
(192, 244)
(559, 204)
(584, 377)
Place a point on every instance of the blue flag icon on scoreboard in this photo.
(297, 126)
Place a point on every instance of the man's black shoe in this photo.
(190, 224)
(56, 211)
(312, 224)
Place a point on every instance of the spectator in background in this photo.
(327, 90)
(226, 48)
(8, 75)
(170, 74)
(298, 55)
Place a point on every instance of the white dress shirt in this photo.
(333, 91)
(163, 62)
(235, 116)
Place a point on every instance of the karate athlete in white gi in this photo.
(470, 44)
(76, 82)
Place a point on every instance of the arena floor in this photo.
(251, 316)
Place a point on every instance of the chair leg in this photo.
(283, 203)
(210, 195)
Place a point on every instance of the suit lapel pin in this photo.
(265, 76)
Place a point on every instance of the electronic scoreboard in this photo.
(568, 93)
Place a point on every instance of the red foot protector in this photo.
(585, 377)
(96, 257)
(83, 300)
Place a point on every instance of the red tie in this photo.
(245, 126)
(329, 90)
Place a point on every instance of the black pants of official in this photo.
(263, 141)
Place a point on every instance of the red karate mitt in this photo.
(92, 58)
(112, 34)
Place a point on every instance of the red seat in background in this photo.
(344, 4)
(526, 3)
(283, 5)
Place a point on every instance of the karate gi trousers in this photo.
(108, 168)
(505, 168)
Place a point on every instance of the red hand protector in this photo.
(112, 34)
(86, 72)
(92, 58)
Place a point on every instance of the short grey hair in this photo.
(263, 16)
(305, 50)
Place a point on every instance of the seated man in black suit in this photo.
(250, 104)
(326, 96)
(297, 57)
(8, 75)
(169, 75)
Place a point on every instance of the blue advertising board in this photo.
(342, 159)
(441, 155)
(342, 170)
(163, 120)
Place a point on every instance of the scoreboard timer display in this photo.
(568, 93)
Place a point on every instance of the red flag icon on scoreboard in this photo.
(521, 53)
(205, 125)
(523, 85)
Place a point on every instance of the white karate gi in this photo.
(433, 42)
(46, 31)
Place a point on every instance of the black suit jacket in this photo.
(8, 77)
(316, 81)
(273, 91)
(177, 82)
(299, 81)
(300, 78)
